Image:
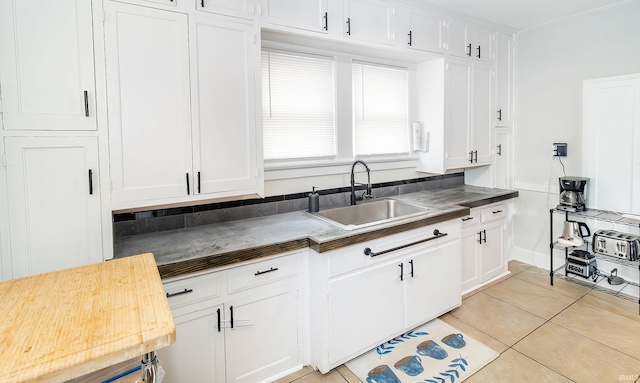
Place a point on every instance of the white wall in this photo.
(552, 61)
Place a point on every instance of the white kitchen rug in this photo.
(433, 353)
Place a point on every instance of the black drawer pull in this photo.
(497, 211)
(436, 234)
(186, 291)
(267, 271)
(219, 321)
(467, 219)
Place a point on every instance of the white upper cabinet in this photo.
(482, 113)
(458, 114)
(370, 20)
(455, 104)
(470, 41)
(149, 107)
(504, 80)
(245, 9)
(224, 108)
(46, 65)
(54, 203)
(310, 15)
(425, 30)
(182, 116)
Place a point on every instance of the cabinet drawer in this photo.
(259, 273)
(194, 289)
(470, 220)
(494, 213)
(352, 257)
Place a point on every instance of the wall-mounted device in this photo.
(559, 149)
(420, 137)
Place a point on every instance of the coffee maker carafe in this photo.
(572, 193)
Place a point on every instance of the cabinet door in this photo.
(370, 20)
(470, 267)
(198, 353)
(432, 282)
(492, 251)
(264, 339)
(54, 206)
(457, 113)
(483, 44)
(458, 39)
(504, 80)
(224, 92)
(503, 176)
(483, 113)
(356, 314)
(237, 8)
(425, 30)
(46, 65)
(148, 95)
(311, 15)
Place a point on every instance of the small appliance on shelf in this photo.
(572, 234)
(582, 263)
(572, 196)
(616, 244)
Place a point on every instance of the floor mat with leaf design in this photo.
(432, 353)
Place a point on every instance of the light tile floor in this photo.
(560, 333)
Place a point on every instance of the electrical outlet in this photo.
(559, 150)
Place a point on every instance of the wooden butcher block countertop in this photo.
(64, 324)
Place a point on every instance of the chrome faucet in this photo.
(367, 193)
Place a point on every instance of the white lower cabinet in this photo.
(358, 302)
(236, 325)
(484, 238)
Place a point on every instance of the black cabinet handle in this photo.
(199, 183)
(499, 114)
(478, 56)
(471, 156)
(480, 237)
(475, 153)
(485, 236)
(500, 149)
(231, 310)
(188, 189)
(409, 34)
(266, 271)
(349, 26)
(436, 234)
(467, 219)
(90, 181)
(469, 50)
(202, 3)
(497, 211)
(86, 103)
(401, 271)
(411, 263)
(219, 321)
(185, 291)
(326, 21)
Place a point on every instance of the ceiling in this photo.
(518, 14)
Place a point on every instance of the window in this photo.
(298, 106)
(380, 110)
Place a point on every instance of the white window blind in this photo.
(380, 110)
(298, 108)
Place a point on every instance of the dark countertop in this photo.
(189, 250)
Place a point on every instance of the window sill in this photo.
(278, 171)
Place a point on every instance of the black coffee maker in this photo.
(572, 193)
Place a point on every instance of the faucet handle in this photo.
(366, 195)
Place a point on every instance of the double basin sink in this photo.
(370, 213)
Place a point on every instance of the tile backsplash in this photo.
(178, 218)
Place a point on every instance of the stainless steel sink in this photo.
(370, 213)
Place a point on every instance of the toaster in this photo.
(616, 244)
